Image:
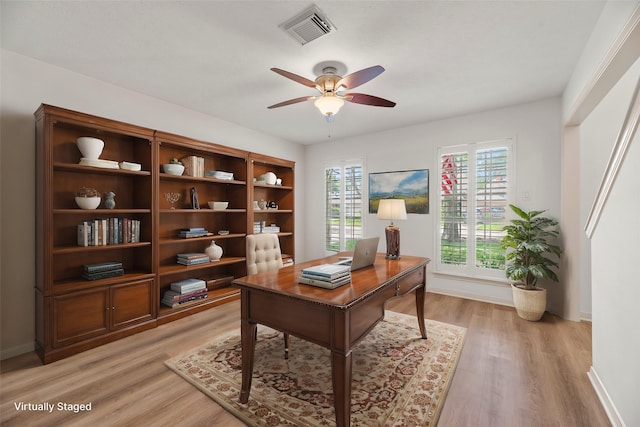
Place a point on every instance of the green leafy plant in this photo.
(529, 253)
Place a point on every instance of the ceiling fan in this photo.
(332, 89)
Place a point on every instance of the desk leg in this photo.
(248, 337)
(341, 375)
(420, 293)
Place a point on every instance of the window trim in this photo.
(470, 270)
(342, 164)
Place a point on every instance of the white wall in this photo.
(598, 134)
(614, 248)
(26, 84)
(535, 128)
(596, 100)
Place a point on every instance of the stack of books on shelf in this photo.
(220, 175)
(194, 232)
(108, 231)
(193, 166)
(184, 291)
(193, 258)
(328, 276)
(287, 260)
(262, 227)
(102, 270)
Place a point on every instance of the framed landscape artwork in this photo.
(411, 185)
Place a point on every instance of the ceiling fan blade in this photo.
(361, 98)
(292, 101)
(360, 77)
(295, 77)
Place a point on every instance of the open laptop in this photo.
(364, 254)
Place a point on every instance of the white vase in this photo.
(90, 147)
(213, 251)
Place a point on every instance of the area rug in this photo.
(398, 378)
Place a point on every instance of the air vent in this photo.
(308, 25)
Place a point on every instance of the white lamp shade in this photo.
(328, 104)
(392, 209)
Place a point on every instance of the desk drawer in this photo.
(409, 282)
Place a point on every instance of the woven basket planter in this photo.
(530, 303)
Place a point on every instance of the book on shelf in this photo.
(193, 255)
(102, 274)
(287, 260)
(193, 232)
(193, 166)
(322, 283)
(196, 234)
(193, 261)
(108, 231)
(188, 285)
(329, 271)
(174, 304)
(102, 266)
(193, 258)
(173, 296)
(219, 281)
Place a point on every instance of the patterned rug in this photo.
(398, 378)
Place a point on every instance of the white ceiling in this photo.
(442, 58)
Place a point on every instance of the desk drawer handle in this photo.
(397, 289)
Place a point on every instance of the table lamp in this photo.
(392, 209)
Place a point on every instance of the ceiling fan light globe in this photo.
(329, 105)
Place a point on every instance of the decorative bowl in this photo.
(218, 206)
(269, 178)
(88, 202)
(90, 147)
(173, 168)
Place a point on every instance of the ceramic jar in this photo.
(213, 251)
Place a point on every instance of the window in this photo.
(473, 197)
(343, 206)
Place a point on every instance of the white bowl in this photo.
(90, 147)
(173, 169)
(269, 178)
(218, 206)
(88, 202)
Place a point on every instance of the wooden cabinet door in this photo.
(79, 316)
(132, 303)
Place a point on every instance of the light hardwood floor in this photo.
(511, 373)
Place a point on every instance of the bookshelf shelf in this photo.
(74, 314)
(89, 169)
(98, 248)
(174, 269)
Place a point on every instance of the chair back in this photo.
(263, 253)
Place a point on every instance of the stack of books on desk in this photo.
(185, 291)
(102, 270)
(193, 258)
(328, 276)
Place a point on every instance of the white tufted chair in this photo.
(263, 254)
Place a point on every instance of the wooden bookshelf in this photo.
(74, 314)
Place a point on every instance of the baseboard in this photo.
(16, 351)
(474, 297)
(609, 407)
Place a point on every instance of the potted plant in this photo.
(530, 256)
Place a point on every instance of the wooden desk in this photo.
(336, 319)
